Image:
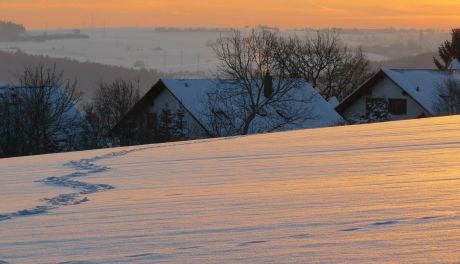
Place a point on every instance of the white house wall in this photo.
(386, 89)
(167, 100)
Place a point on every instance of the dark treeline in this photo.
(38, 115)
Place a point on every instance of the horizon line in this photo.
(243, 28)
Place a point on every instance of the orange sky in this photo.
(441, 14)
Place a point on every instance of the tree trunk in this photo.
(247, 123)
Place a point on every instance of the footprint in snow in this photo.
(251, 243)
(385, 223)
(351, 229)
(83, 167)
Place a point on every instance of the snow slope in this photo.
(386, 193)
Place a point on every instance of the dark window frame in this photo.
(397, 106)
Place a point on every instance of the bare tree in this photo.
(449, 94)
(326, 62)
(12, 130)
(40, 113)
(112, 101)
(247, 98)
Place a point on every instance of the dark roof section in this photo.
(362, 90)
(144, 102)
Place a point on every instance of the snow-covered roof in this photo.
(56, 92)
(333, 101)
(454, 65)
(422, 85)
(192, 93)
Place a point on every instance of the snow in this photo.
(454, 65)
(422, 85)
(379, 193)
(193, 94)
(333, 101)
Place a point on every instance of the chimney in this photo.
(268, 86)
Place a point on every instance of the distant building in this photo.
(169, 99)
(405, 94)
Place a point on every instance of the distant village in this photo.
(265, 82)
(15, 32)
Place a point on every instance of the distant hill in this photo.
(420, 61)
(87, 74)
(10, 30)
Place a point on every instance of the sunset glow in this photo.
(40, 14)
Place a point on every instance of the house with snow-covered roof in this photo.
(184, 103)
(406, 94)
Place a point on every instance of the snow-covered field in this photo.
(382, 193)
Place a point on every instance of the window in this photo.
(152, 120)
(397, 106)
(180, 119)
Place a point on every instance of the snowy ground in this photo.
(386, 193)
